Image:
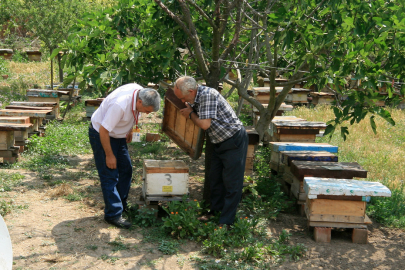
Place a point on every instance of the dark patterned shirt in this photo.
(209, 103)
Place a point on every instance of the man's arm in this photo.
(202, 123)
(110, 159)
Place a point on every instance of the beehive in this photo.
(164, 178)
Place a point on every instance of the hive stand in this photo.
(164, 180)
(54, 105)
(339, 203)
(295, 131)
(8, 151)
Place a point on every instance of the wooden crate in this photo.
(41, 95)
(295, 131)
(188, 136)
(262, 94)
(325, 98)
(283, 159)
(164, 179)
(297, 95)
(252, 144)
(283, 108)
(92, 105)
(6, 53)
(340, 203)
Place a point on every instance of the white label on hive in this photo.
(167, 188)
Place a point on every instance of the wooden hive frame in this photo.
(188, 136)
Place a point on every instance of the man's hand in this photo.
(111, 162)
(129, 136)
(186, 111)
(110, 159)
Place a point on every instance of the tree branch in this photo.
(194, 4)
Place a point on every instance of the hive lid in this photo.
(314, 186)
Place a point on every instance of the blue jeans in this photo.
(115, 183)
(226, 175)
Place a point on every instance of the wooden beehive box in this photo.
(41, 95)
(319, 98)
(92, 105)
(340, 203)
(164, 178)
(297, 95)
(262, 94)
(188, 136)
(295, 131)
(253, 141)
(339, 170)
(277, 148)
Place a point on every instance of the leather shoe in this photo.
(119, 222)
(205, 218)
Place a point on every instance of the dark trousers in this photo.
(116, 183)
(226, 175)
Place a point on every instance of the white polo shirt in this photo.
(115, 112)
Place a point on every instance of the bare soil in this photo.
(55, 233)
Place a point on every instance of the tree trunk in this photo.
(60, 69)
(51, 73)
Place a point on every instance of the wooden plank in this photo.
(19, 107)
(339, 170)
(14, 127)
(34, 104)
(323, 208)
(294, 137)
(15, 119)
(299, 125)
(43, 99)
(30, 113)
(180, 125)
(250, 151)
(287, 156)
(337, 224)
(291, 146)
(189, 132)
(171, 115)
(46, 93)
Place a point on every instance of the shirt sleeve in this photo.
(208, 107)
(112, 117)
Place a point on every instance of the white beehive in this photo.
(164, 178)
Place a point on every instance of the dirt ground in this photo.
(54, 233)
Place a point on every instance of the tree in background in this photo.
(50, 21)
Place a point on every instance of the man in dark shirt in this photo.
(210, 111)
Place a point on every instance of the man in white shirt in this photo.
(109, 132)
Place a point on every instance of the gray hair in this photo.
(186, 83)
(150, 97)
